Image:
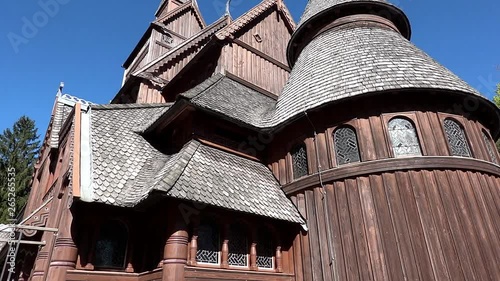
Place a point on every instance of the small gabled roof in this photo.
(207, 175)
(223, 95)
(186, 45)
(253, 13)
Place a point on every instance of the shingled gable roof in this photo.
(186, 45)
(126, 168)
(253, 13)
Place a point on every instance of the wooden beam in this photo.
(262, 54)
(77, 150)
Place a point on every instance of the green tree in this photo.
(496, 98)
(19, 147)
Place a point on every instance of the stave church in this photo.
(258, 148)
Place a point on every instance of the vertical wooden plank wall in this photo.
(416, 225)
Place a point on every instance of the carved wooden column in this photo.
(279, 260)
(176, 248)
(253, 250)
(65, 251)
(225, 245)
(193, 248)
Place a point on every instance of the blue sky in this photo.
(84, 44)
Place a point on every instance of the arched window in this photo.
(208, 243)
(238, 246)
(111, 245)
(459, 146)
(346, 146)
(299, 161)
(404, 137)
(489, 146)
(265, 249)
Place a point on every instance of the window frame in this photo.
(461, 122)
(334, 146)
(96, 239)
(291, 147)
(244, 226)
(485, 132)
(412, 117)
(220, 242)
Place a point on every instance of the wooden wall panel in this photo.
(253, 68)
(184, 24)
(414, 225)
(374, 141)
(274, 35)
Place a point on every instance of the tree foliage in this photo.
(19, 147)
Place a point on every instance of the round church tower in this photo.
(388, 155)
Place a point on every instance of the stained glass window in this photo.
(238, 246)
(491, 151)
(455, 134)
(265, 250)
(346, 146)
(299, 159)
(111, 246)
(208, 243)
(404, 138)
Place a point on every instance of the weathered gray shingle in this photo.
(223, 95)
(127, 168)
(119, 154)
(348, 62)
(207, 175)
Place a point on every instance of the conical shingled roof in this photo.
(315, 7)
(355, 59)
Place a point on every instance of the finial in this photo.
(60, 91)
(228, 8)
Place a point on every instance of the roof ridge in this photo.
(129, 106)
(184, 149)
(251, 14)
(180, 46)
(181, 8)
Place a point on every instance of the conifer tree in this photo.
(19, 147)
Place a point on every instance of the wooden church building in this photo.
(258, 149)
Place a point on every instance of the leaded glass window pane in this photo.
(346, 146)
(404, 138)
(208, 243)
(299, 159)
(455, 134)
(111, 246)
(489, 146)
(238, 246)
(265, 250)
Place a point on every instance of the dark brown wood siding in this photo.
(414, 225)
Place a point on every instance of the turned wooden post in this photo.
(176, 248)
(65, 252)
(225, 245)
(279, 260)
(193, 249)
(253, 250)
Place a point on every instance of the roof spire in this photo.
(228, 8)
(60, 90)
